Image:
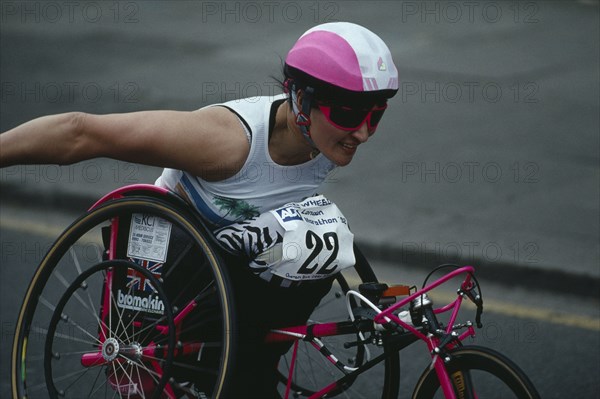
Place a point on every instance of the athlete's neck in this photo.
(287, 146)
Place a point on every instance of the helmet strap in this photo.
(303, 116)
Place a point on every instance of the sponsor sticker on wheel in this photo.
(147, 245)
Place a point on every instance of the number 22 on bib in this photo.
(317, 241)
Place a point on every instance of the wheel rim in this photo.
(478, 372)
(29, 337)
(125, 360)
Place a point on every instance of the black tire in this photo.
(313, 372)
(59, 318)
(478, 372)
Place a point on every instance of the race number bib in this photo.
(317, 241)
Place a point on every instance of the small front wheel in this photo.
(478, 372)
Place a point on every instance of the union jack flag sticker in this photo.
(138, 281)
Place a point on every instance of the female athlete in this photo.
(250, 163)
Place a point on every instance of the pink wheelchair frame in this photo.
(385, 317)
(312, 333)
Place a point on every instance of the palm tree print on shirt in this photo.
(238, 209)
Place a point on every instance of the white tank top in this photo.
(261, 184)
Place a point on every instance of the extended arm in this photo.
(49, 139)
(206, 142)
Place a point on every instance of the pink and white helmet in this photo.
(346, 56)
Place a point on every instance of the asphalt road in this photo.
(489, 151)
(547, 335)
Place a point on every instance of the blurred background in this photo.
(489, 153)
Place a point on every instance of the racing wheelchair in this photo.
(134, 300)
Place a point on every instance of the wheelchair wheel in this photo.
(478, 372)
(130, 301)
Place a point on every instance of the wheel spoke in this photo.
(119, 319)
(62, 336)
(70, 375)
(116, 377)
(130, 381)
(64, 281)
(137, 370)
(47, 303)
(67, 319)
(73, 326)
(148, 329)
(152, 373)
(85, 371)
(133, 318)
(94, 312)
(92, 390)
(74, 353)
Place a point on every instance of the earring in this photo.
(302, 119)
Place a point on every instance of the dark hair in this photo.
(326, 92)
